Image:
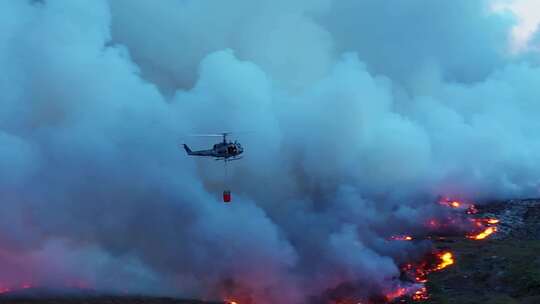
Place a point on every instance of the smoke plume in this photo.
(359, 114)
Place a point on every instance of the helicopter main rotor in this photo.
(222, 135)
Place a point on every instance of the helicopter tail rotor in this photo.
(188, 150)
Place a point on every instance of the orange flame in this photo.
(401, 238)
(484, 234)
(398, 293)
(455, 204)
(416, 292)
(488, 226)
(490, 221)
(447, 259)
(421, 294)
(418, 272)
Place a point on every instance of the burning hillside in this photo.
(492, 268)
(480, 265)
(464, 221)
(412, 282)
(458, 267)
(465, 216)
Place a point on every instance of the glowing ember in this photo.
(455, 204)
(419, 272)
(421, 294)
(416, 272)
(398, 293)
(488, 221)
(401, 238)
(487, 226)
(416, 292)
(447, 259)
(484, 234)
(472, 210)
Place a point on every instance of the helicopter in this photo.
(225, 150)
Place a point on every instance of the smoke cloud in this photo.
(359, 114)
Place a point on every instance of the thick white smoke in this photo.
(359, 113)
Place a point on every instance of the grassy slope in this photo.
(489, 271)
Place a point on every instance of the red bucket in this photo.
(226, 196)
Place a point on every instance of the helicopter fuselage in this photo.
(221, 151)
